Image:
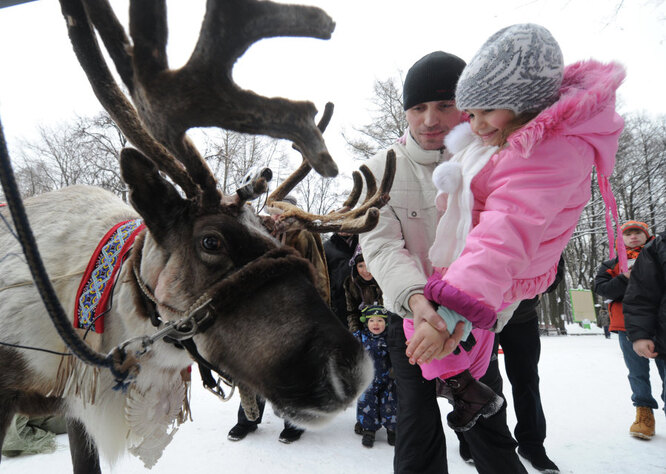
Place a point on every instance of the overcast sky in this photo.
(42, 84)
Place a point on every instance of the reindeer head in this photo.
(266, 326)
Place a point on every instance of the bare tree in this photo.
(641, 175)
(231, 155)
(639, 185)
(317, 195)
(85, 152)
(388, 121)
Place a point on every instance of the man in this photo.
(644, 306)
(339, 248)
(611, 283)
(397, 252)
(522, 349)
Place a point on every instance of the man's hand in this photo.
(422, 309)
(645, 348)
(431, 339)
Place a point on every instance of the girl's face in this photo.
(489, 123)
(376, 324)
(363, 271)
(634, 238)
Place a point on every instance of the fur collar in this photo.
(588, 87)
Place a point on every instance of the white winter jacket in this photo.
(396, 251)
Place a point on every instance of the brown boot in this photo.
(643, 427)
(471, 399)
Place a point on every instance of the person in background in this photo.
(361, 290)
(611, 282)
(339, 249)
(376, 407)
(644, 306)
(310, 247)
(396, 251)
(604, 322)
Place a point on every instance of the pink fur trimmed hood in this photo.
(588, 90)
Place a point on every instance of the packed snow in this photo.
(584, 390)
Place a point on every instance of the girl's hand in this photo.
(425, 343)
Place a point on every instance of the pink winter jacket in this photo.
(529, 196)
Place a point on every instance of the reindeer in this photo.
(202, 271)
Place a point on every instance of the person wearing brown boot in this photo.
(643, 427)
(612, 283)
(644, 307)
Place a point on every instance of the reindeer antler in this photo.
(202, 93)
(346, 219)
(302, 171)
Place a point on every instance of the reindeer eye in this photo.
(211, 243)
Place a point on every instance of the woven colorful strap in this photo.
(98, 280)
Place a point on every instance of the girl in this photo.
(516, 185)
(361, 290)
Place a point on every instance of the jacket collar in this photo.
(424, 157)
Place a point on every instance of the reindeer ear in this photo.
(152, 196)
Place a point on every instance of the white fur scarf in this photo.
(453, 179)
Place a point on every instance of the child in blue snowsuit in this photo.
(376, 407)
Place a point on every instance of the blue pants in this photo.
(639, 374)
(376, 407)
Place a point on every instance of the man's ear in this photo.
(157, 200)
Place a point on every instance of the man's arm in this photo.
(607, 285)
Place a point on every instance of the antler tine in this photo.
(355, 193)
(109, 94)
(114, 38)
(302, 171)
(370, 182)
(354, 221)
(380, 196)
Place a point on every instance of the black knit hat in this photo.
(431, 78)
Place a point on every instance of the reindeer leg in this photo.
(7, 412)
(85, 459)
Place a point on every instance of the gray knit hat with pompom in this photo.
(519, 68)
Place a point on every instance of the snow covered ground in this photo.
(584, 391)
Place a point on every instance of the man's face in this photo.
(429, 122)
(634, 238)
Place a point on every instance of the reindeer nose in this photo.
(349, 381)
